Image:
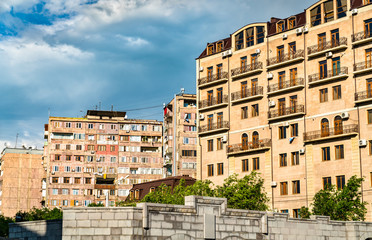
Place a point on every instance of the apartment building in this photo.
(98, 158)
(180, 145)
(292, 99)
(22, 180)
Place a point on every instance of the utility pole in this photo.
(16, 140)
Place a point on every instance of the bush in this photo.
(4, 225)
(39, 214)
(96, 205)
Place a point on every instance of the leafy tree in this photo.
(96, 205)
(304, 212)
(4, 225)
(39, 214)
(341, 204)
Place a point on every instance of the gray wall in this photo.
(36, 230)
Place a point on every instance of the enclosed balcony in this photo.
(285, 86)
(331, 133)
(328, 76)
(214, 127)
(213, 79)
(214, 102)
(247, 95)
(246, 70)
(281, 113)
(285, 59)
(249, 147)
(362, 67)
(361, 38)
(331, 46)
(362, 97)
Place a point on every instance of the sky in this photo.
(63, 57)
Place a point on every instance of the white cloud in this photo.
(132, 41)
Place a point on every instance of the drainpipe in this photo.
(305, 82)
(174, 135)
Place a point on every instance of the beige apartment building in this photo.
(98, 158)
(22, 180)
(291, 99)
(180, 155)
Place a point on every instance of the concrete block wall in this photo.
(36, 230)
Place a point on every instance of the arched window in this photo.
(325, 127)
(255, 139)
(291, 22)
(245, 141)
(338, 125)
(280, 26)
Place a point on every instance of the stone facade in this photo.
(36, 230)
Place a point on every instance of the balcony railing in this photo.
(361, 96)
(282, 112)
(329, 74)
(331, 132)
(249, 146)
(285, 85)
(361, 36)
(285, 57)
(104, 186)
(213, 101)
(327, 46)
(236, 72)
(212, 78)
(362, 66)
(246, 93)
(214, 127)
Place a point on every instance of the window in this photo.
(75, 191)
(294, 130)
(210, 49)
(68, 125)
(219, 144)
(210, 170)
(368, 28)
(328, 11)
(90, 126)
(57, 157)
(295, 158)
(260, 34)
(65, 191)
(291, 23)
(315, 15)
(244, 113)
(124, 138)
(101, 148)
(292, 49)
(339, 152)
(327, 182)
(340, 182)
(255, 111)
(256, 163)
(245, 166)
(250, 37)
(219, 75)
(210, 122)
(323, 73)
(189, 153)
(58, 146)
(66, 180)
(369, 114)
(324, 127)
(77, 180)
(283, 159)
(337, 92)
(67, 168)
(283, 188)
(239, 38)
(335, 38)
(90, 147)
(210, 145)
(336, 66)
(68, 157)
(282, 132)
(88, 180)
(280, 26)
(113, 159)
(284, 211)
(55, 168)
(323, 95)
(280, 53)
(219, 168)
(219, 46)
(326, 154)
(54, 179)
(219, 120)
(112, 148)
(281, 80)
(341, 8)
(296, 213)
(68, 147)
(296, 187)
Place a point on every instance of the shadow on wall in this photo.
(41, 230)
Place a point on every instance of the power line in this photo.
(144, 108)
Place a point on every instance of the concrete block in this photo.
(85, 231)
(69, 224)
(166, 225)
(116, 231)
(108, 215)
(83, 223)
(209, 226)
(95, 215)
(102, 231)
(68, 215)
(112, 223)
(98, 223)
(81, 216)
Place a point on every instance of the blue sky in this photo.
(66, 56)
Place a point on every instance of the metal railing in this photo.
(327, 45)
(363, 95)
(330, 73)
(287, 111)
(214, 126)
(361, 36)
(314, 135)
(247, 93)
(212, 78)
(285, 84)
(246, 68)
(256, 145)
(285, 57)
(362, 65)
(213, 101)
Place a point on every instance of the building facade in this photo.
(291, 99)
(99, 156)
(180, 155)
(22, 180)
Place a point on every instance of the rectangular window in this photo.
(328, 11)
(323, 95)
(57, 157)
(210, 145)
(54, 179)
(250, 37)
(68, 157)
(280, 53)
(283, 188)
(281, 27)
(66, 180)
(219, 168)
(244, 113)
(283, 159)
(55, 191)
(341, 8)
(90, 147)
(260, 34)
(219, 144)
(292, 49)
(296, 213)
(210, 170)
(68, 147)
(219, 46)
(77, 180)
(326, 154)
(369, 114)
(112, 148)
(239, 40)
(291, 23)
(294, 130)
(88, 180)
(255, 111)
(245, 166)
(101, 148)
(340, 182)
(370, 147)
(337, 92)
(284, 211)
(75, 191)
(339, 152)
(327, 182)
(282, 132)
(68, 125)
(315, 15)
(256, 163)
(295, 158)
(323, 70)
(210, 49)
(296, 187)
(90, 125)
(78, 125)
(58, 146)
(336, 66)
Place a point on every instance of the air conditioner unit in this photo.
(224, 54)
(344, 115)
(92, 152)
(271, 103)
(299, 30)
(201, 116)
(306, 29)
(286, 124)
(362, 143)
(302, 151)
(128, 131)
(224, 138)
(329, 54)
(258, 51)
(270, 76)
(285, 36)
(72, 170)
(354, 11)
(228, 53)
(273, 184)
(201, 69)
(53, 173)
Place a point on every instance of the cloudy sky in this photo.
(62, 57)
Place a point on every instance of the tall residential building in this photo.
(100, 156)
(291, 99)
(180, 155)
(22, 180)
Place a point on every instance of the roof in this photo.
(356, 3)
(101, 113)
(300, 21)
(226, 46)
(23, 151)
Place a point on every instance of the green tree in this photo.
(304, 212)
(39, 214)
(341, 204)
(4, 225)
(96, 205)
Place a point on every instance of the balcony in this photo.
(247, 70)
(214, 127)
(250, 147)
(362, 97)
(331, 133)
(214, 103)
(322, 49)
(285, 59)
(104, 186)
(213, 79)
(331, 75)
(361, 38)
(287, 86)
(288, 112)
(247, 95)
(362, 68)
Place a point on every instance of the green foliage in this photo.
(4, 225)
(39, 214)
(96, 205)
(125, 204)
(304, 212)
(345, 204)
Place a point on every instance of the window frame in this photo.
(283, 188)
(245, 165)
(326, 152)
(339, 152)
(210, 171)
(219, 169)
